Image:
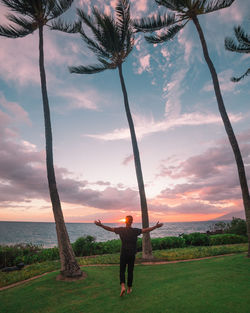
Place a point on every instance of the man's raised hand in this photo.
(158, 225)
(98, 223)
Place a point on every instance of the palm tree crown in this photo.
(112, 37)
(34, 13)
(241, 46)
(182, 12)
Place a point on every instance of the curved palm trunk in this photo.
(69, 266)
(229, 130)
(146, 243)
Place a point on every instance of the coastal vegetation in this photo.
(166, 255)
(221, 233)
(218, 285)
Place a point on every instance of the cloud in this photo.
(226, 85)
(81, 99)
(144, 64)
(128, 159)
(145, 126)
(16, 112)
(23, 178)
(210, 177)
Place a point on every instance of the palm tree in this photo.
(182, 12)
(33, 15)
(112, 42)
(242, 46)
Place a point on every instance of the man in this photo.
(128, 236)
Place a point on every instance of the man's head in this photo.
(129, 220)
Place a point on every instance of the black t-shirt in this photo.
(128, 237)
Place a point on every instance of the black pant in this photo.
(127, 259)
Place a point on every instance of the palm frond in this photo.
(22, 22)
(90, 22)
(61, 25)
(169, 34)
(173, 5)
(123, 17)
(242, 36)
(91, 69)
(94, 46)
(18, 6)
(237, 79)
(106, 63)
(150, 24)
(215, 5)
(109, 32)
(58, 7)
(13, 32)
(231, 45)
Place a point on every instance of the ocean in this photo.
(44, 234)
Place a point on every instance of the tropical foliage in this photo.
(242, 45)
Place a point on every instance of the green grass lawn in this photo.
(217, 285)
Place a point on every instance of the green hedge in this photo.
(224, 239)
(84, 246)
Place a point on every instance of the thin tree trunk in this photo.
(229, 130)
(69, 266)
(146, 242)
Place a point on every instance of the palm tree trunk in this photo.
(69, 266)
(146, 242)
(229, 130)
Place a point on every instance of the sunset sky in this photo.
(187, 162)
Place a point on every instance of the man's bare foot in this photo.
(122, 290)
(129, 290)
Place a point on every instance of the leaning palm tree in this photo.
(242, 46)
(182, 12)
(112, 42)
(30, 16)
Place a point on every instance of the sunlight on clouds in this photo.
(144, 64)
(226, 85)
(172, 91)
(82, 100)
(145, 126)
(17, 112)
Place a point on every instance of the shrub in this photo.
(237, 226)
(83, 246)
(167, 243)
(196, 239)
(224, 239)
(12, 255)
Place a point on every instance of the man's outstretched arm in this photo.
(149, 229)
(98, 223)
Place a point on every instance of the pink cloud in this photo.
(128, 159)
(17, 112)
(210, 178)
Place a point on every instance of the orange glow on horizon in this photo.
(122, 220)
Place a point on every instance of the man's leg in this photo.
(131, 262)
(122, 273)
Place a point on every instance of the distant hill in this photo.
(229, 216)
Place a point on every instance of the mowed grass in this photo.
(214, 285)
(159, 255)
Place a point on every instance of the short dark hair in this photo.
(129, 219)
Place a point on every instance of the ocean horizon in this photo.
(44, 233)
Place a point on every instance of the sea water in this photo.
(44, 234)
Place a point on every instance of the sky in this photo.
(187, 162)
